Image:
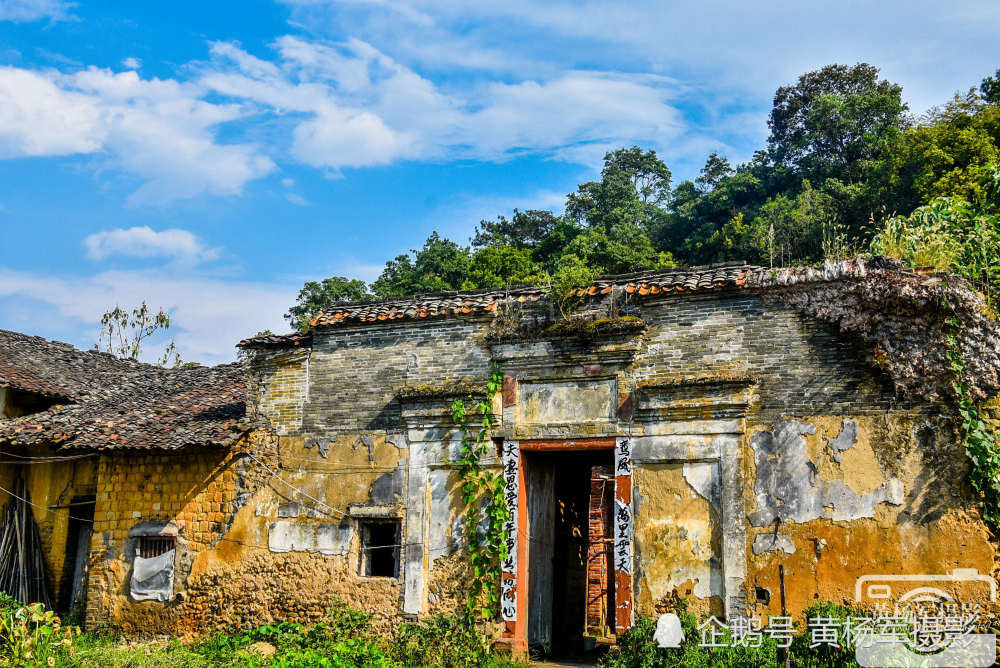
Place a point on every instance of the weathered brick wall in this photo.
(279, 389)
(355, 373)
(189, 489)
(803, 366)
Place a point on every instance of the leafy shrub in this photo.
(30, 635)
(823, 656)
(349, 653)
(637, 649)
(445, 642)
(341, 624)
(948, 234)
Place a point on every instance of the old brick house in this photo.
(682, 433)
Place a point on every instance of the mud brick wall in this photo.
(236, 563)
(190, 490)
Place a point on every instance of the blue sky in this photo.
(210, 157)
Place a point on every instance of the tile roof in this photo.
(268, 341)
(125, 405)
(438, 304)
(55, 369)
(729, 275)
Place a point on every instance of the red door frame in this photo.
(514, 579)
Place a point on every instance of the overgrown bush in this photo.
(445, 642)
(637, 649)
(950, 234)
(30, 635)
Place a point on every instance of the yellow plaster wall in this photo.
(50, 487)
(224, 505)
(677, 542)
(935, 530)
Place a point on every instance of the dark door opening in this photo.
(570, 497)
(73, 584)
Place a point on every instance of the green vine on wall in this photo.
(482, 485)
(981, 444)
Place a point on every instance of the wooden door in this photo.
(540, 478)
(600, 564)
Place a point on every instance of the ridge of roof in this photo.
(56, 369)
(268, 341)
(119, 404)
(699, 278)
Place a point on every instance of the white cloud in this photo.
(744, 49)
(359, 107)
(38, 118)
(144, 242)
(208, 315)
(296, 199)
(159, 130)
(34, 10)
(132, 63)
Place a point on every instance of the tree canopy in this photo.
(843, 159)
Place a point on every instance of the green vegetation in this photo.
(846, 170)
(123, 333)
(637, 649)
(31, 636)
(315, 295)
(484, 488)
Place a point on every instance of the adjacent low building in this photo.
(679, 433)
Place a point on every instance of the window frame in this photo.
(365, 547)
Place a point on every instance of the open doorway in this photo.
(570, 569)
(73, 586)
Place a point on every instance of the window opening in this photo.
(154, 546)
(380, 549)
(153, 568)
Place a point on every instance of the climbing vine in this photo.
(486, 549)
(981, 445)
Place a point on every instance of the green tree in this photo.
(498, 265)
(525, 229)
(440, 265)
(634, 186)
(716, 169)
(834, 120)
(314, 296)
(990, 88)
(622, 249)
(790, 230)
(950, 153)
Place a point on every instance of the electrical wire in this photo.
(45, 508)
(47, 458)
(274, 474)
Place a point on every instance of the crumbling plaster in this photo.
(838, 497)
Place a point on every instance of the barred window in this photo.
(154, 546)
